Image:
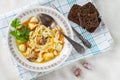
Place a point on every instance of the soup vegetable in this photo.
(36, 42)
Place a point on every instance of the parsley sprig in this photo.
(21, 32)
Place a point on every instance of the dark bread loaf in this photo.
(87, 16)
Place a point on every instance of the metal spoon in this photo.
(48, 21)
(84, 41)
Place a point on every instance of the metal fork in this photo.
(84, 41)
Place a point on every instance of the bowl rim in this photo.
(44, 7)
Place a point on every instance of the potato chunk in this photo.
(22, 47)
(32, 25)
(48, 56)
(59, 47)
(34, 19)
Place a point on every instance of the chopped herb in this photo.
(21, 34)
(16, 24)
(13, 33)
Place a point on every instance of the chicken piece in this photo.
(43, 40)
(32, 57)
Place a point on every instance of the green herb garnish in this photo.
(16, 24)
(21, 32)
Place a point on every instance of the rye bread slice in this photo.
(73, 13)
(86, 16)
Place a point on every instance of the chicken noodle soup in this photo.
(43, 43)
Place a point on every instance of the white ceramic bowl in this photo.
(50, 65)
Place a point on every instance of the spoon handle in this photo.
(79, 48)
(84, 41)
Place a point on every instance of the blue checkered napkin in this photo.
(100, 39)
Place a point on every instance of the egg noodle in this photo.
(44, 43)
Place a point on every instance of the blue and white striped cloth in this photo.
(100, 39)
